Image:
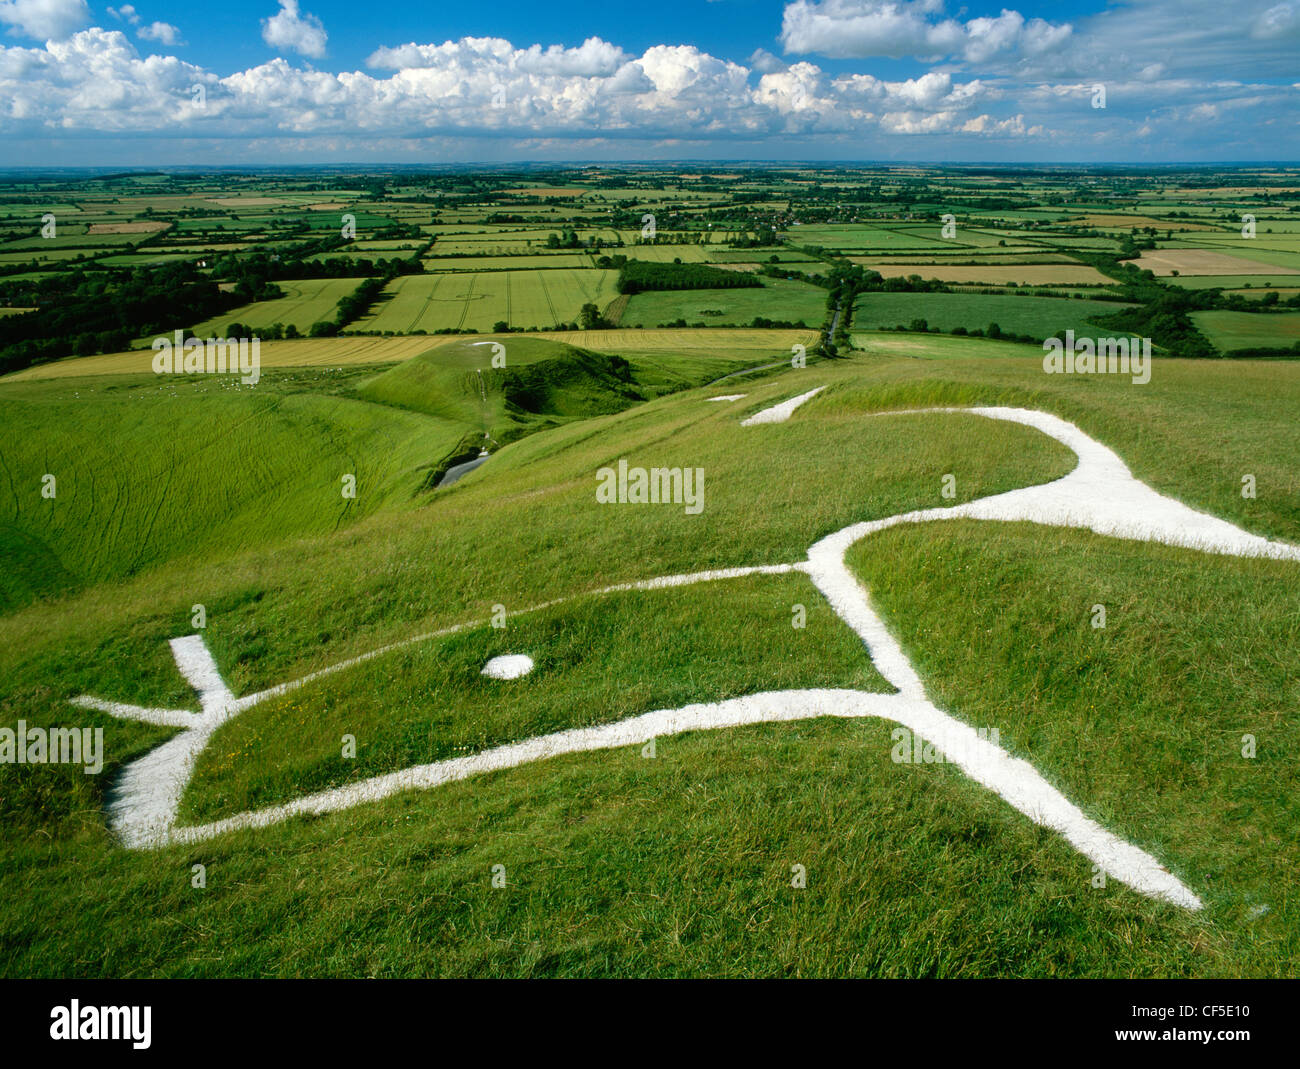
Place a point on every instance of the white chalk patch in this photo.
(508, 666)
(727, 397)
(782, 412)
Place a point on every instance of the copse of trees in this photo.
(566, 239)
(637, 276)
(589, 318)
(104, 313)
(350, 308)
(254, 271)
(1163, 313)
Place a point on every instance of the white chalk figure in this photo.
(1099, 495)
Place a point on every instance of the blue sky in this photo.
(309, 81)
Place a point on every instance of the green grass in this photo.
(687, 254)
(534, 502)
(464, 264)
(248, 616)
(540, 384)
(763, 255)
(615, 865)
(1204, 423)
(620, 865)
(73, 237)
(148, 470)
(1249, 330)
(1142, 722)
(598, 659)
(1279, 251)
(1040, 317)
(478, 301)
(862, 237)
(306, 301)
(477, 354)
(48, 255)
(779, 299)
(1205, 282)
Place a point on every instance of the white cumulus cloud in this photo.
(593, 57)
(861, 29)
(290, 31)
(505, 100)
(162, 32)
(44, 20)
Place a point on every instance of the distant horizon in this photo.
(559, 165)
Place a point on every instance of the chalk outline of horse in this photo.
(1100, 494)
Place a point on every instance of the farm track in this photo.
(428, 298)
(464, 308)
(541, 279)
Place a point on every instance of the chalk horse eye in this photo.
(508, 666)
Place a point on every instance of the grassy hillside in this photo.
(681, 864)
(1144, 717)
(534, 383)
(300, 352)
(146, 472)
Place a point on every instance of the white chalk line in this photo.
(1100, 495)
(782, 412)
(144, 802)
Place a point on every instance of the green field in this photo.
(477, 302)
(215, 467)
(660, 254)
(305, 302)
(863, 238)
(779, 300)
(1037, 316)
(1205, 282)
(824, 794)
(1250, 330)
(507, 263)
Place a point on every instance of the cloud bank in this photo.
(1175, 75)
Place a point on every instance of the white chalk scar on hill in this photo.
(1100, 495)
